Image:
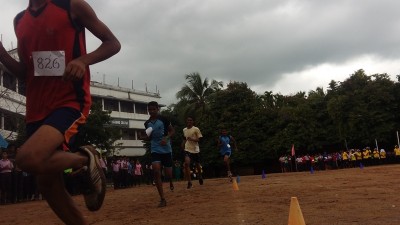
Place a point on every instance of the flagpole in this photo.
(294, 155)
(397, 132)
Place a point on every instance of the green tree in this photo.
(98, 130)
(237, 109)
(363, 107)
(21, 130)
(356, 111)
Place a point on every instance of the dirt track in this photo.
(349, 196)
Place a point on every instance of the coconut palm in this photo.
(196, 92)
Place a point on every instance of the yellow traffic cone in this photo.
(235, 185)
(295, 214)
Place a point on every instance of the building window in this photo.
(141, 108)
(128, 134)
(1, 121)
(126, 106)
(96, 100)
(9, 81)
(111, 105)
(22, 87)
(11, 121)
(141, 133)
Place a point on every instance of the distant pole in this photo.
(397, 138)
(132, 84)
(294, 156)
(376, 143)
(345, 142)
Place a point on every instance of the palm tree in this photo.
(196, 92)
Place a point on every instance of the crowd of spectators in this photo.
(126, 172)
(15, 184)
(339, 160)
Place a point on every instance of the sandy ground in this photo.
(349, 196)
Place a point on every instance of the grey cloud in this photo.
(251, 41)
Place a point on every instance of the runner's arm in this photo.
(171, 131)
(219, 143)
(17, 68)
(83, 13)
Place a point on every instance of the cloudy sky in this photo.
(282, 46)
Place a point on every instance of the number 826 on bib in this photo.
(49, 63)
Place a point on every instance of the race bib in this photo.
(49, 63)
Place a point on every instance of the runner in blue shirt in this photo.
(224, 142)
(159, 131)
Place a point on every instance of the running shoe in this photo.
(93, 179)
(162, 203)
(190, 185)
(171, 186)
(201, 181)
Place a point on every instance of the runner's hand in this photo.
(74, 71)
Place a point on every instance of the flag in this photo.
(293, 153)
(3, 143)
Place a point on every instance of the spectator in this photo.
(382, 155)
(6, 167)
(138, 173)
(397, 153)
(116, 165)
(177, 170)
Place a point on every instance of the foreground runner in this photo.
(55, 66)
(159, 131)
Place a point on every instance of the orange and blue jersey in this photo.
(47, 30)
